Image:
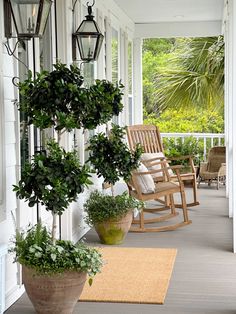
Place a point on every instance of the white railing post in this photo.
(204, 150)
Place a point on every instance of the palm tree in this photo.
(194, 75)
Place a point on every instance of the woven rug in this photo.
(132, 275)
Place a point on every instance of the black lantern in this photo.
(29, 17)
(89, 38)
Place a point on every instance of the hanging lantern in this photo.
(29, 17)
(89, 38)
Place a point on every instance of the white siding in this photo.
(73, 220)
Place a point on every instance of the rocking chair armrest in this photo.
(152, 162)
(139, 173)
(189, 157)
(177, 171)
(181, 157)
(153, 159)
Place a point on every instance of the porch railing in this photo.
(209, 139)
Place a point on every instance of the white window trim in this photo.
(2, 137)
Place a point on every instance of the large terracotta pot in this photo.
(114, 231)
(53, 294)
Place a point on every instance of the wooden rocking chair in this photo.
(150, 139)
(166, 189)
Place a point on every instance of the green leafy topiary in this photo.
(36, 250)
(58, 99)
(53, 179)
(101, 207)
(111, 157)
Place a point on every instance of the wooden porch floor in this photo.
(204, 276)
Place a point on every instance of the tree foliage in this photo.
(189, 74)
(111, 157)
(53, 179)
(188, 121)
(58, 99)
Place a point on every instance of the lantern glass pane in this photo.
(99, 45)
(87, 45)
(88, 27)
(25, 15)
(44, 17)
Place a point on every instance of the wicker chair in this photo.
(150, 139)
(214, 170)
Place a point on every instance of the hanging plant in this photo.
(57, 99)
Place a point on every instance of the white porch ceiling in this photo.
(155, 11)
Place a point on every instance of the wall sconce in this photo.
(29, 17)
(88, 37)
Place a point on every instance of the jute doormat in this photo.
(132, 275)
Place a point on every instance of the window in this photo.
(114, 51)
(130, 82)
(105, 47)
(115, 63)
(2, 151)
(24, 128)
(45, 46)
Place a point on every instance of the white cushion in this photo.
(148, 156)
(145, 181)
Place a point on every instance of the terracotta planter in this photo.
(53, 294)
(114, 231)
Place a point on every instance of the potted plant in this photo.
(54, 271)
(54, 179)
(112, 215)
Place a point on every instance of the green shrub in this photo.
(101, 207)
(190, 146)
(36, 250)
(187, 121)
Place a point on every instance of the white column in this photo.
(229, 104)
(64, 41)
(232, 115)
(138, 81)
(126, 80)
(122, 53)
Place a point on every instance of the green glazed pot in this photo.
(114, 231)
